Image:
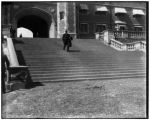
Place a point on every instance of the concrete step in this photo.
(76, 71)
(91, 61)
(87, 75)
(47, 79)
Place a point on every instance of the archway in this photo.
(37, 25)
(38, 21)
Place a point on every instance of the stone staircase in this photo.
(88, 60)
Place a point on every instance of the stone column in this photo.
(71, 18)
(61, 18)
(52, 29)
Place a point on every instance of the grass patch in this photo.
(87, 99)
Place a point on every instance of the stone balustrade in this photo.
(110, 37)
(116, 44)
(130, 47)
(140, 45)
(130, 34)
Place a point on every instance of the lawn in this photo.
(124, 98)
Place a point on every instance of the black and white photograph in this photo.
(74, 59)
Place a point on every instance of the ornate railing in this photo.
(130, 47)
(114, 39)
(140, 45)
(116, 44)
(123, 34)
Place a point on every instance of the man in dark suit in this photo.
(12, 32)
(67, 40)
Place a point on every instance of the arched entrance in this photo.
(37, 25)
(38, 21)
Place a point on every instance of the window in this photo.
(137, 28)
(84, 27)
(100, 28)
(137, 16)
(121, 15)
(83, 9)
(100, 13)
(119, 27)
(122, 28)
(61, 15)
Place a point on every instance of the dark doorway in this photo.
(37, 25)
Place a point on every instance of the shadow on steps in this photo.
(29, 83)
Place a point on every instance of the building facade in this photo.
(95, 17)
(81, 19)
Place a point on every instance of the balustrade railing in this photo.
(109, 37)
(130, 47)
(116, 44)
(130, 34)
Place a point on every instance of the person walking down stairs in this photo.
(12, 32)
(67, 40)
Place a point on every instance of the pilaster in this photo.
(61, 18)
(71, 18)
